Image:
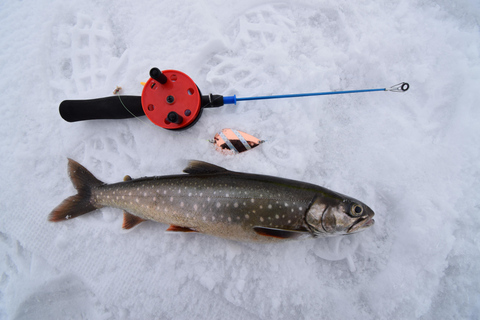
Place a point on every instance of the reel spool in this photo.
(171, 100)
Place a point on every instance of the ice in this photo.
(413, 157)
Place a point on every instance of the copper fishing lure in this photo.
(230, 141)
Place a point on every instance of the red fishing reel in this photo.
(171, 99)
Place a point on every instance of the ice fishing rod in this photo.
(172, 100)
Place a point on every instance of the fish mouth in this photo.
(361, 224)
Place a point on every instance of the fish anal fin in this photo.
(279, 233)
(130, 221)
(201, 167)
(179, 229)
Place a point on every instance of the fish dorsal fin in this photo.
(179, 229)
(201, 167)
(279, 233)
(130, 221)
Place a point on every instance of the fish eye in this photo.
(356, 210)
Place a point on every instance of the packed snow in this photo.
(413, 157)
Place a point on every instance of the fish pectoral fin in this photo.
(180, 229)
(279, 233)
(130, 221)
(201, 167)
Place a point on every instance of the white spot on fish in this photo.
(130, 193)
(164, 191)
(201, 194)
(247, 216)
(252, 200)
(213, 218)
(189, 194)
(269, 206)
(261, 207)
(227, 195)
(179, 191)
(286, 204)
(123, 197)
(235, 204)
(208, 199)
(300, 208)
(144, 194)
(171, 199)
(154, 199)
(218, 204)
(238, 218)
(182, 204)
(195, 207)
(229, 219)
(204, 218)
(137, 200)
(277, 216)
(261, 219)
(289, 221)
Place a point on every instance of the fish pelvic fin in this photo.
(201, 167)
(174, 228)
(280, 233)
(80, 203)
(130, 220)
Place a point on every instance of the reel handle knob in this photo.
(174, 117)
(156, 74)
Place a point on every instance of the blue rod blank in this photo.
(234, 99)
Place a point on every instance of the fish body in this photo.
(215, 201)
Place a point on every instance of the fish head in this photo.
(339, 216)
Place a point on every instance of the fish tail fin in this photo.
(80, 203)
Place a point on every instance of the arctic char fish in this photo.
(215, 201)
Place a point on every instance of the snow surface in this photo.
(413, 157)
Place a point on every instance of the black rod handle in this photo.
(102, 108)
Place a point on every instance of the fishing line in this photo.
(133, 115)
